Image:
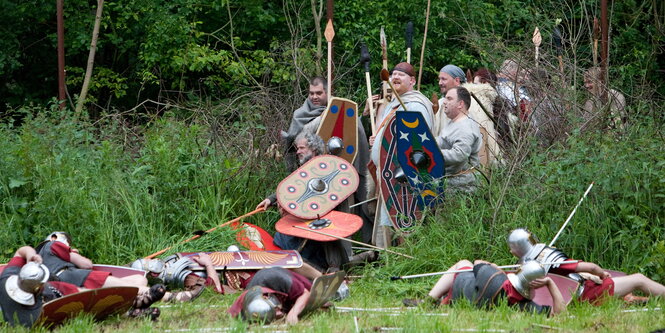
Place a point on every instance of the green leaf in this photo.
(14, 183)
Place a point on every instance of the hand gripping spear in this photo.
(409, 40)
(364, 59)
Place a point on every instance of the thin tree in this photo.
(91, 57)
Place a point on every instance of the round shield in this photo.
(317, 187)
(334, 223)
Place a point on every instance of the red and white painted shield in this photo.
(317, 187)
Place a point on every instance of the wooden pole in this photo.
(365, 60)
(470, 270)
(422, 50)
(61, 52)
(258, 210)
(353, 241)
(91, 57)
(604, 48)
(330, 34)
(409, 40)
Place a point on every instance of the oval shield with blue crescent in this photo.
(419, 156)
(398, 196)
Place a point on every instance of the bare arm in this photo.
(298, 306)
(558, 306)
(29, 254)
(80, 261)
(592, 268)
(204, 260)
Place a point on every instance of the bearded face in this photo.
(402, 82)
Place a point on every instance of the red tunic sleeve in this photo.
(16, 262)
(298, 286)
(565, 269)
(61, 250)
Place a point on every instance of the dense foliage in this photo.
(190, 49)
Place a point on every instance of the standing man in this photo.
(594, 106)
(460, 142)
(311, 109)
(307, 119)
(403, 79)
(452, 76)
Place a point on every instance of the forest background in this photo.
(187, 97)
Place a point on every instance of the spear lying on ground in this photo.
(198, 234)
(393, 278)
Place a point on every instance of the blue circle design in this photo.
(334, 109)
(350, 112)
(350, 149)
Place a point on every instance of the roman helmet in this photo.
(529, 271)
(259, 307)
(60, 236)
(521, 241)
(153, 266)
(233, 248)
(23, 287)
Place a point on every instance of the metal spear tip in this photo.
(335, 146)
(385, 75)
(409, 34)
(364, 53)
(393, 278)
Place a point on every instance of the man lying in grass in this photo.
(26, 285)
(595, 283)
(484, 285)
(270, 294)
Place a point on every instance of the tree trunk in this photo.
(91, 57)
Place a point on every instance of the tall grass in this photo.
(124, 196)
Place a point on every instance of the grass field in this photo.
(125, 196)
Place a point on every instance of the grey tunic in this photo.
(460, 143)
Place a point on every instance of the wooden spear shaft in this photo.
(571, 214)
(353, 241)
(422, 50)
(470, 270)
(207, 231)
